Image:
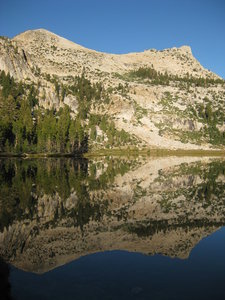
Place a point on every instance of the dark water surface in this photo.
(114, 228)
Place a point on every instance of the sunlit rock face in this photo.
(159, 113)
(54, 211)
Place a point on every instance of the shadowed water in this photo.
(114, 228)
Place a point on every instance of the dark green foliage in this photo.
(57, 132)
(53, 47)
(9, 86)
(93, 133)
(32, 97)
(26, 129)
(115, 137)
(57, 88)
(85, 91)
(159, 78)
(211, 118)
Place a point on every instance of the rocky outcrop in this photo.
(159, 115)
(15, 60)
(56, 55)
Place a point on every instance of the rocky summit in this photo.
(154, 99)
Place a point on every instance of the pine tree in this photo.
(63, 128)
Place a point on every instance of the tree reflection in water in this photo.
(55, 210)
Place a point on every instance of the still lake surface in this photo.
(114, 227)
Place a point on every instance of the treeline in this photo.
(160, 78)
(26, 128)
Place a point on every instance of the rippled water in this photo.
(114, 228)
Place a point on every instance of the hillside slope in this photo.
(156, 99)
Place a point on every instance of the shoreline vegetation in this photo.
(119, 152)
(29, 130)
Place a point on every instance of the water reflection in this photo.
(5, 286)
(53, 211)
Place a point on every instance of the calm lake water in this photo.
(114, 227)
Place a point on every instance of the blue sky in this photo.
(121, 26)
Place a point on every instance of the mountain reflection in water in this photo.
(53, 211)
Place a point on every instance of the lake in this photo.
(113, 227)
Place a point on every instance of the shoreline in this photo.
(118, 152)
(40, 155)
(154, 152)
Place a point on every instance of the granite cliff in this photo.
(160, 99)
